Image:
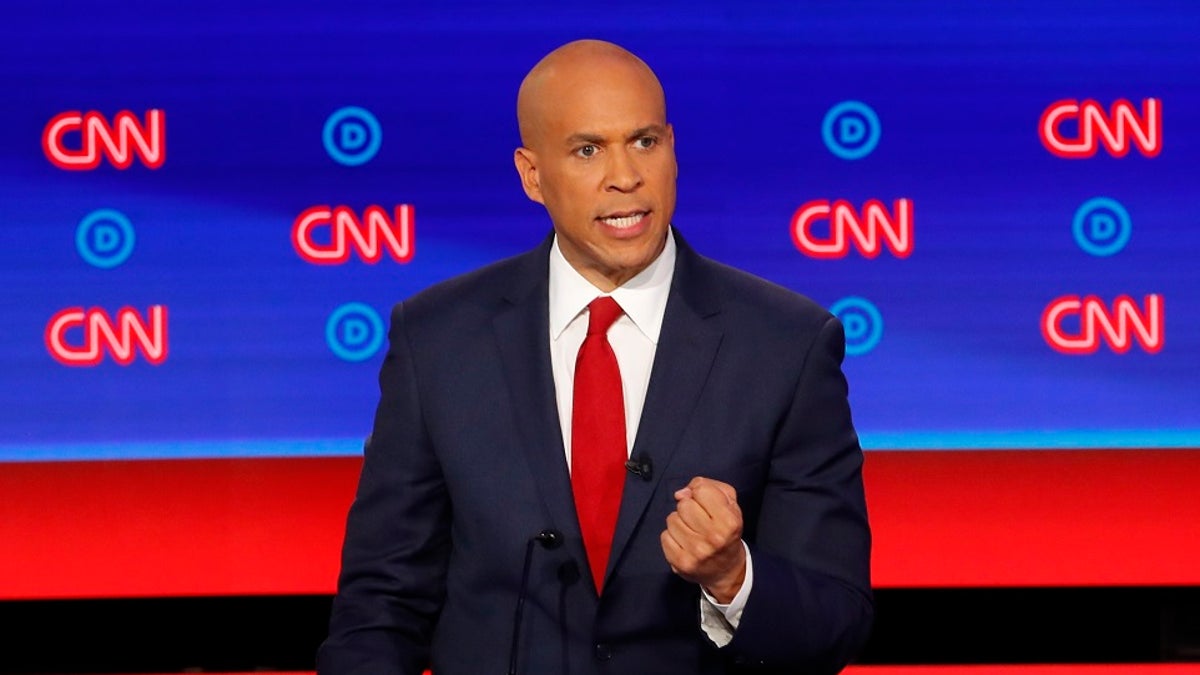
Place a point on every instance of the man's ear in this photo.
(525, 161)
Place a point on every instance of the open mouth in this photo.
(624, 221)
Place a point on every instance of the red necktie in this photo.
(598, 450)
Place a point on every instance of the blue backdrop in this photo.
(273, 108)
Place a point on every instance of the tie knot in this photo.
(603, 311)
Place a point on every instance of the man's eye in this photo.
(587, 151)
(646, 142)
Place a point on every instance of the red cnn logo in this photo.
(865, 229)
(99, 332)
(119, 141)
(1097, 322)
(1097, 127)
(369, 235)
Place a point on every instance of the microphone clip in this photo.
(640, 466)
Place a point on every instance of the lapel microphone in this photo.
(640, 466)
(550, 540)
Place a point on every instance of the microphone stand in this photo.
(549, 539)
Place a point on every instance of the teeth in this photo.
(623, 223)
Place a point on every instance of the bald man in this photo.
(609, 454)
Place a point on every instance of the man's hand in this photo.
(703, 539)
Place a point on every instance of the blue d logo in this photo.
(352, 136)
(1101, 226)
(851, 130)
(354, 332)
(104, 238)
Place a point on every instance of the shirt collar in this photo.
(644, 297)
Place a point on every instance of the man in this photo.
(735, 536)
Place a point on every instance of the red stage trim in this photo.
(1035, 518)
(274, 526)
(173, 528)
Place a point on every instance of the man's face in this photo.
(602, 161)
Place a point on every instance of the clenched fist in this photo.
(703, 539)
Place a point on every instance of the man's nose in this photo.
(623, 174)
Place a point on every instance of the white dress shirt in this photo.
(634, 339)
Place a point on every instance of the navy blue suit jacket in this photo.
(466, 463)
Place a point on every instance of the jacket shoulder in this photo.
(751, 300)
(475, 294)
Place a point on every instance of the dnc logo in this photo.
(105, 238)
(352, 136)
(851, 130)
(354, 332)
(1101, 226)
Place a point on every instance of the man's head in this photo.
(598, 153)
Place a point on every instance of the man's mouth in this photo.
(624, 221)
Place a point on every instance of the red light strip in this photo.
(274, 526)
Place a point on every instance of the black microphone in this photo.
(640, 466)
(549, 539)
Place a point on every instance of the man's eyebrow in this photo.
(597, 139)
(652, 129)
(593, 139)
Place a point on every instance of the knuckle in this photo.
(715, 540)
(732, 528)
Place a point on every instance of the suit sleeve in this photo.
(394, 557)
(811, 608)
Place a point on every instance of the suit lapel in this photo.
(523, 335)
(687, 347)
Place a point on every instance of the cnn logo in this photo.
(1116, 130)
(1074, 325)
(869, 230)
(91, 136)
(79, 337)
(326, 236)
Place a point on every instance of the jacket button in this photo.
(603, 652)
